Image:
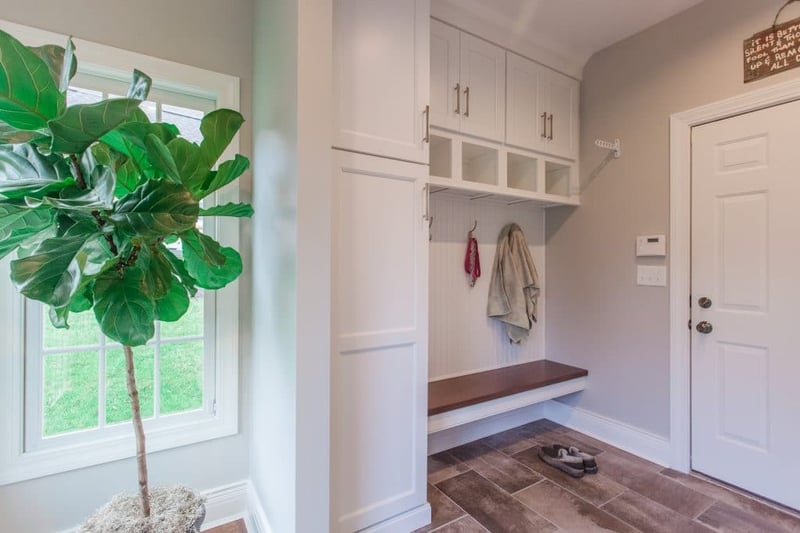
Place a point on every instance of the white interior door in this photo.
(746, 262)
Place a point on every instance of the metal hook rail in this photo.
(616, 146)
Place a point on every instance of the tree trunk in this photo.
(141, 454)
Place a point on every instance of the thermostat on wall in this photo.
(651, 246)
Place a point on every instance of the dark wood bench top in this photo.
(454, 393)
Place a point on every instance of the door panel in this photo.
(563, 98)
(524, 124)
(483, 74)
(379, 328)
(746, 259)
(381, 76)
(445, 43)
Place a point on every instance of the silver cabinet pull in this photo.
(458, 98)
(466, 94)
(544, 125)
(427, 138)
(550, 137)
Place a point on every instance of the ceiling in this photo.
(575, 29)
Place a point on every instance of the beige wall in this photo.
(597, 317)
(209, 34)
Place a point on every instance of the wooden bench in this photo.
(464, 399)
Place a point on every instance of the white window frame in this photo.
(219, 416)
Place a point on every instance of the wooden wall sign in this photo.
(772, 51)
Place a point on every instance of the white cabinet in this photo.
(381, 77)
(467, 83)
(380, 327)
(542, 108)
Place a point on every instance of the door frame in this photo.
(680, 228)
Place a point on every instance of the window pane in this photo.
(78, 95)
(181, 377)
(187, 120)
(83, 331)
(70, 392)
(190, 325)
(149, 109)
(118, 406)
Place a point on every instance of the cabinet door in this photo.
(380, 325)
(525, 123)
(381, 76)
(563, 98)
(445, 85)
(483, 78)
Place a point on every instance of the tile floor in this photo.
(499, 484)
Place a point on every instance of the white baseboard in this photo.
(462, 434)
(637, 441)
(403, 523)
(256, 519)
(226, 504)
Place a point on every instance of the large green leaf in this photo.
(140, 86)
(228, 172)
(18, 223)
(174, 304)
(218, 129)
(228, 210)
(179, 268)
(26, 172)
(83, 124)
(100, 196)
(55, 269)
(156, 208)
(189, 162)
(123, 310)
(157, 272)
(56, 57)
(211, 265)
(160, 158)
(29, 96)
(11, 135)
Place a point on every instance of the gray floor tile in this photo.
(463, 525)
(442, 466)
(443, 510)
(625, 468)
(567, 511)
(490, 506)
(672, 494)
(729, 519)
(650, 516)
(498, 468)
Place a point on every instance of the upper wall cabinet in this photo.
(467, 83)
(542, 112)
(381, 77)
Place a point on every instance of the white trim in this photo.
(472, 413)
(223, 504)
(450, 438)
(680, 248)
(405, 522)
(256, 518)
(642, 443)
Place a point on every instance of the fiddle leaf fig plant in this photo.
(95, 198)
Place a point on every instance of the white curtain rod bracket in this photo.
(616, 146)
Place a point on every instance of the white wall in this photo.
(462, 339)
(291, 292)
(597, 317)
(205, 34)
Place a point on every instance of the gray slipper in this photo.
(561, 459)
(589, 462)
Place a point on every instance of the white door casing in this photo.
(745, 259)
(381, 77)
(679, 247)
(380, 323)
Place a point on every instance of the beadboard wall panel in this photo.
(462, 339)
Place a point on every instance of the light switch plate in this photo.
(652, 276)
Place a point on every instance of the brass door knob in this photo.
(704, 327)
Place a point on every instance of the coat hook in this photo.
(430, 225)
(474, 227)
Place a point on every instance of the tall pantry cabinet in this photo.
(380, 265)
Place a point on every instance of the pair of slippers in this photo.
(569, 459)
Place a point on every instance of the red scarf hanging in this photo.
(472, 261)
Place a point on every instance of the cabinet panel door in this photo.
(380, 325)
(563, 101)
(381, 76)
(483, 78)
(525, 125)
(445, 101)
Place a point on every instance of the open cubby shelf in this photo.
(481, 169)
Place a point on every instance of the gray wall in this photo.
(597, 317)
(204, 33)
